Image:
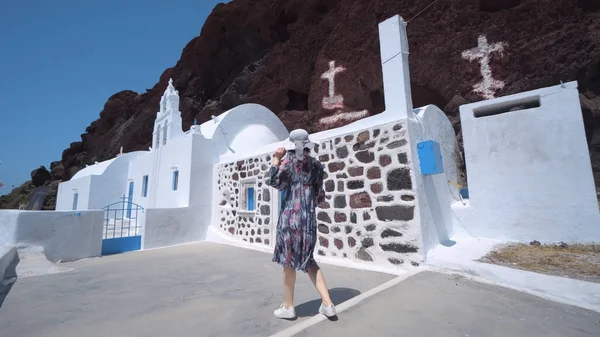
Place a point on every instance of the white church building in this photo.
(391, 179)
(162, 177)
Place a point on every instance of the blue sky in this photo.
(61, 60)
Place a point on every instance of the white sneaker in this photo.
(328, 311)
(283, 312)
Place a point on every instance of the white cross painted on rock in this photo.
(336, 102)
(332, 101)
(344, 116)
(488, 86)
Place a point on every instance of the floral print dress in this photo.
(301, 182)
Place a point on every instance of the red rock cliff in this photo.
(274, 52)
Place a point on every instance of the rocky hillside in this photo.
(273, 52)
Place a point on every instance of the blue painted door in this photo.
(130, 199)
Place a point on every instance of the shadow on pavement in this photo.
(338, 295)
(10, 277)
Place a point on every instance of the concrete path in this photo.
(431, 304)
(201, 289)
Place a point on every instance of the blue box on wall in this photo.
(430, 157)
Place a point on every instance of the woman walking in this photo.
(300, 178)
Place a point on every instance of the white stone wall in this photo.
(370, 207)
(65, 236)
(528, 168)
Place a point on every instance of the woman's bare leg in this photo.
(289, 281)
(317, 278)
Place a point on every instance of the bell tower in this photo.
(168, 125)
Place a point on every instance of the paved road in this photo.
(201, 289)
(430, 304)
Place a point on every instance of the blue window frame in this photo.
(75, 199)
(250, 195)
(145, 186)
(175, 180)
(130, 199)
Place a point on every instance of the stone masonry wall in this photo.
(370, 203)
(250, 227)
(370, 207)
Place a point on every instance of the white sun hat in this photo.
(299, 135)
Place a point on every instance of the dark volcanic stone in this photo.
(329, 186)
(377, 188)
(397, 143)
(356, 184)
(365, 157)
(399, 248)
(395, 213)
(385, 160)
(342, 152)
(363, 254)
(351, 242)
(40, 176)
(399, 179)
(339, 201)
(402, 158)
(407, 197)
(360, 200)
(367, 242)
(385, 198)
(395, 261)
(388, 232)
(356, 171)
(335, 167)
(340, 217)
(323, 229)
(374, 173)
(322, 216)
(265, 210)
(363, 137)
(370, 227)
(323, 242)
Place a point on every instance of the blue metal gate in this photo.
(122, 227)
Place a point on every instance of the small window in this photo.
(248, 198)
(145, 186)
(158, 137)
(175, 180)
(75, 199)
(507, 106)
(165, 134)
